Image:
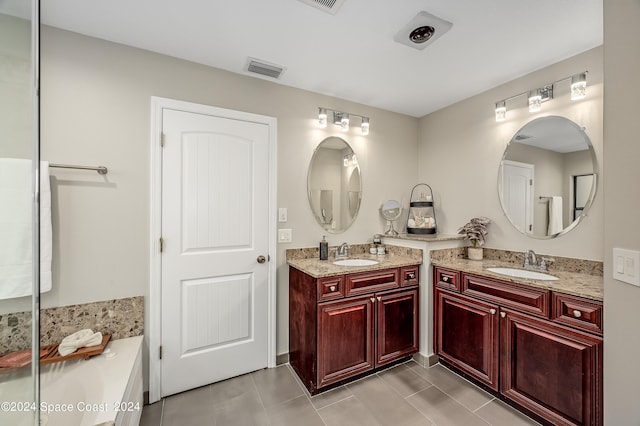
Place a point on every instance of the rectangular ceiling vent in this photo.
(263, 68)
(329, 6)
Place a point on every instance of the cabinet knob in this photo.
(373, 300)
(492, 311)
(577, 313)
(445, 279)
(379, 298)
(332, 288)
(503, 314)
(411, 275)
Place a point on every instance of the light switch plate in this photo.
(284, 235)
(282, 214)
(626, 266)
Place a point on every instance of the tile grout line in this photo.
(255, 386)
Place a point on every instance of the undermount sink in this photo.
(355, 262)
(523, 273)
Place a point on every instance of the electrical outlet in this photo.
(626, 265)
(284, 235)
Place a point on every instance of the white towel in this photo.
(79, 339)
(555, 215)
(16, 271)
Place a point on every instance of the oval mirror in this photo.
(547, 178)
(334, 185)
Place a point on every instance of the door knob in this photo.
(261, 259)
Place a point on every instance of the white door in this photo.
(215, 194)
(517, 194)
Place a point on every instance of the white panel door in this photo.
(517, 194)
(215, 232)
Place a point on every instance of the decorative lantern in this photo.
(422, 215)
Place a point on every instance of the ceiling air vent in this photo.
(263, 68)
(329, 6)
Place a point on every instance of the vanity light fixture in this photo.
(342, 119)
(365, 126)
(501, 111)
(322, 117)
(537, 96)
(344, 122)
(579, 86)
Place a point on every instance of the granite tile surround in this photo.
(120, 317)
(577, 277)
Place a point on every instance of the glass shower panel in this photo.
(18, 147)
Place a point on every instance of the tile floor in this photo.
(406, 394)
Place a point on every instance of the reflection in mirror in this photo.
(334, 185)
(547, 178)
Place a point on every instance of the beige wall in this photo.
(95, 111)
(460, 149)
(622, 151)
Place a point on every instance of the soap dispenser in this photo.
(324, 249)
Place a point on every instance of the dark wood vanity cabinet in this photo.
(539, 349)
(373, 322)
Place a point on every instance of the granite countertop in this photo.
(590, 286)
(306, 260)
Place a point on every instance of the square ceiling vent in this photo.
(422, 30)
(329, 6)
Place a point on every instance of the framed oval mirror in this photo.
(334, 185)
(548, 177)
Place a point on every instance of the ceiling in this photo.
(351, 55)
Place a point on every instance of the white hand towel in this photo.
(16, 270)
(555, 215)
(79, 339)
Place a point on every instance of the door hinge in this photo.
(530, 227)
(161, 244)
(162, 139)
(530, 182)
(160, 351)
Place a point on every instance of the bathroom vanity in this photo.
(345, 322)
(537, 345)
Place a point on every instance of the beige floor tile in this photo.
(348, 412)
(231, 388)
(276, 385)
(500, 414)
(385, 404)
(189, 408)
(331, 397)
(245, 409)
(443, 410)
(463, 391)
(152, 414)
(404, 380)
(295, 412)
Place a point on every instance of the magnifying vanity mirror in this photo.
(547, 177)
(391, 211)
(334, 185)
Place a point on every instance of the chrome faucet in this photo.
(531, 261)
(343, 250)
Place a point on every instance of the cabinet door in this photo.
(345, 339)
(551, 370)
(466, 334)
(397, 326)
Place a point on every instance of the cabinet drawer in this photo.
(524, 298)
(330, 288)
(409, 275)
(577, 312)
(369, 282)
(447, 279)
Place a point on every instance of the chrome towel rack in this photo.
(100, 169)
